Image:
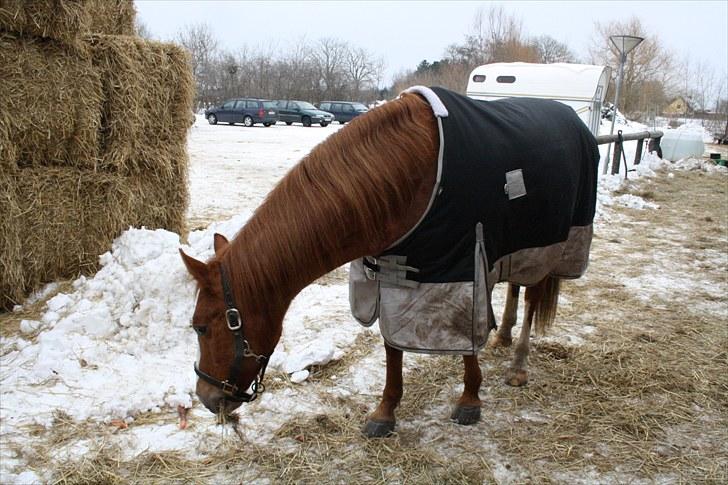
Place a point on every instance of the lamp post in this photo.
(624, 45)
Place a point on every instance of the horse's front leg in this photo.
(467, 409)
(381, 422)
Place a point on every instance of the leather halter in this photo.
(242, 351)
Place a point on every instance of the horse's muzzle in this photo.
(213, 398)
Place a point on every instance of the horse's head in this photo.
(234, 348)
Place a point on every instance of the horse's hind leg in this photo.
(467, 409)
(517, 374)
(502, 338)
(381, 422)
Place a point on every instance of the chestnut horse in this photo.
(353, 195)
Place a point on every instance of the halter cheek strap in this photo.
(241, 351)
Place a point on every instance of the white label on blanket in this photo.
(515, 187)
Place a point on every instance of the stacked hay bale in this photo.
(93, 126)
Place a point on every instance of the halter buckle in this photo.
(228, 388)
(232, 317)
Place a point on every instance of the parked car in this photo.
(343, 111)
(247, 111)
(302, 112)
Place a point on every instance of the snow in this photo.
(242, 164)
(120, 344)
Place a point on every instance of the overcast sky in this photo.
(404, 33)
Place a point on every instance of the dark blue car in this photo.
(247, 111)
(292, 111)
(343, 111)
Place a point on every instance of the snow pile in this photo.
(98, 346)
(634, 202)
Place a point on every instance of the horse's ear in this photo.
(220, 242)
(197, 269)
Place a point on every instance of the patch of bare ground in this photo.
(10, 321)
(644, 398)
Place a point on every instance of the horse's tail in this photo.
(546, 306)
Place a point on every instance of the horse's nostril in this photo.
(209, 396)
(211, 404)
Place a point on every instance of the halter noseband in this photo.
(242, 350)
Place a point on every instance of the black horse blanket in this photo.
(524, 168)
(514, 201)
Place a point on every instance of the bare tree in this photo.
(330, 58)
(227, 70)
(706, 86)
(199, 40)
(244, 78)
(649, 62)
(363, 70)
(302, 70)
(495, 36)
(551, 50)
(296, 76)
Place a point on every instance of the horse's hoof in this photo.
(378, 429)
(498, 341)
(466, 415)
(516, 377)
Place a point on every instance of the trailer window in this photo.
(479, 78)
(506, 79)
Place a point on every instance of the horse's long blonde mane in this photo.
(349, 186)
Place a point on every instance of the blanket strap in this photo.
(390, 269)
(483, 255)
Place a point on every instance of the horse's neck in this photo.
(331, 209)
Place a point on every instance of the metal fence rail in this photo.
(619, 138)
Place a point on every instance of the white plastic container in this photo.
(679, 144)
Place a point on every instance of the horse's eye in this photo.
(200, 330)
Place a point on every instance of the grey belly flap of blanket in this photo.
(514, 201)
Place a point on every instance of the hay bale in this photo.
(8, 150)
(11, 268)
(160, 199)
(60, 212)
(112, 17)
(66, 20)
(148, 90)
(104, 149)
(51, 112)
(62, 20)
(60, 219)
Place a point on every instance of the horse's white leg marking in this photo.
(517, 375)
(503, 338)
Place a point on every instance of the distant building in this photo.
(679, 106)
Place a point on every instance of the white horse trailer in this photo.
(580, 86)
